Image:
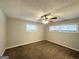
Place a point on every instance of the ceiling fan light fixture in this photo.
(45, 21)
(48, 18)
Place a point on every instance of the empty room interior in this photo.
(39, 29)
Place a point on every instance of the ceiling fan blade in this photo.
(54, 18)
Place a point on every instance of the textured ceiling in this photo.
(33, 9)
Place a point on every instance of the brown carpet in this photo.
(41, 50)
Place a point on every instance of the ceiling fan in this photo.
(47, 18)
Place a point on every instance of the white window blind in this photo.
(65, 27)
(31, 27)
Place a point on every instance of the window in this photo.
(65, 27)
(31, 27)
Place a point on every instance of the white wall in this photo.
(17, 34)
(70, 40)
(2, 32)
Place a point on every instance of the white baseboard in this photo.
(21, 44)
(2, 52)
(16, 45)
(65, 46)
